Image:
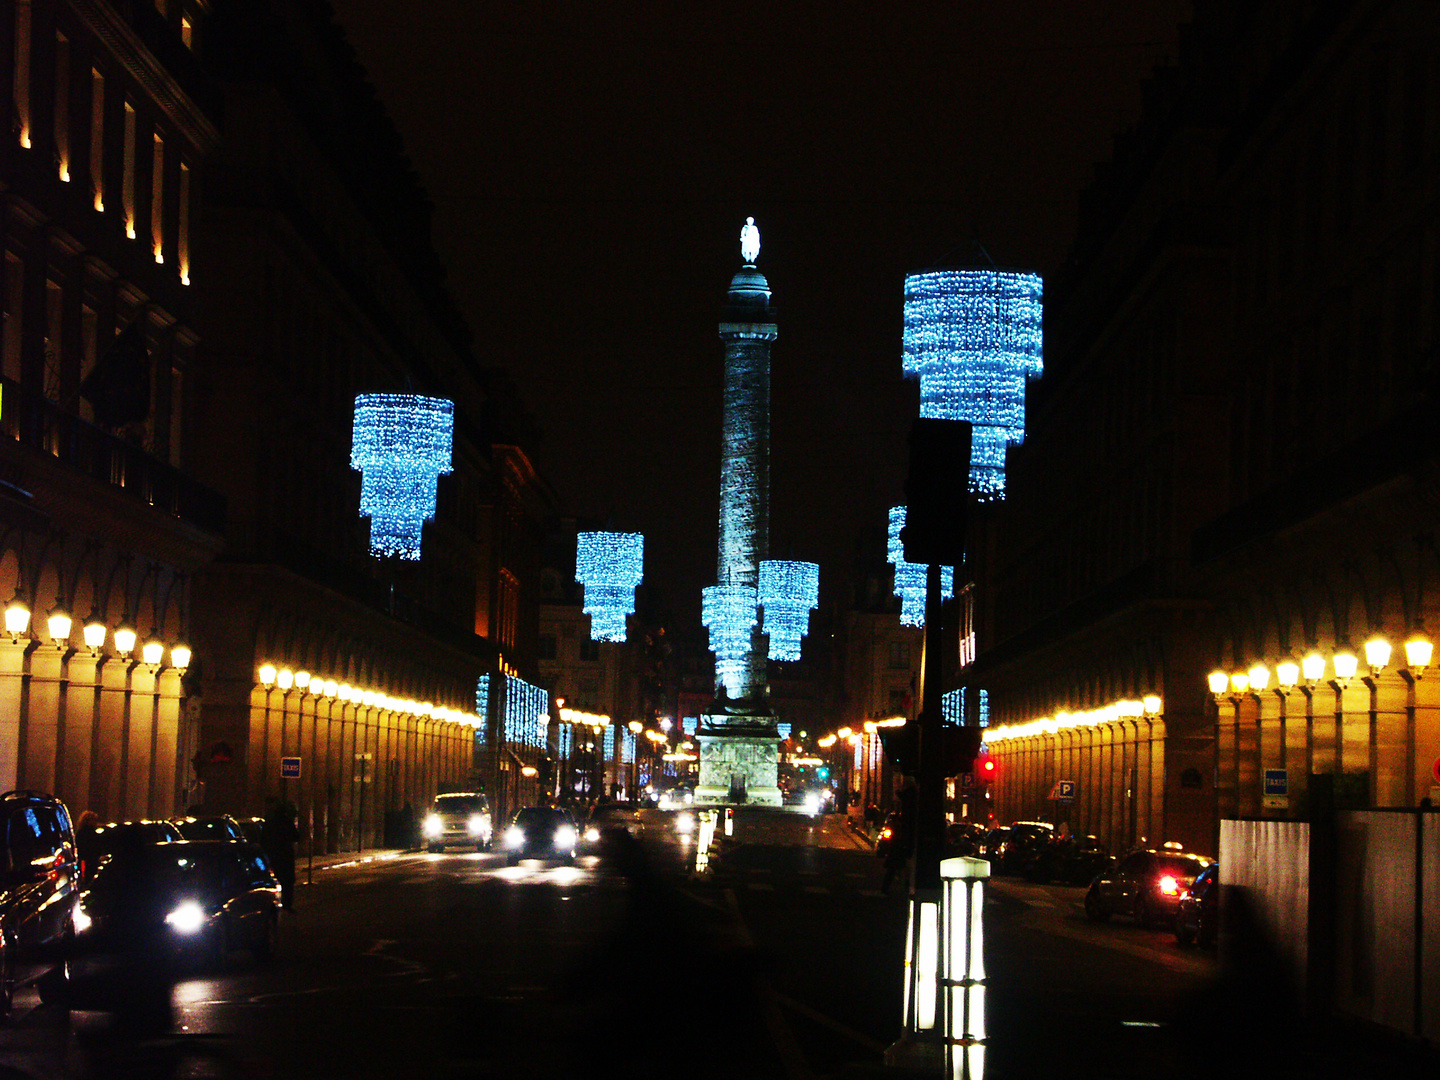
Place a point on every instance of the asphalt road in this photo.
(783, 961)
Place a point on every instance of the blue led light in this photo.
(609, 565)
(952, 707)
(910, 577)
(400, 444)
(728, 612)
(783, 729)
(482, 707)
(788, 592)
(973, 337)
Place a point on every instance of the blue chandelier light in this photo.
(609, 565)
(401, 444)
(789, 591)
(973, 338)
(728, 612)
(910, 577)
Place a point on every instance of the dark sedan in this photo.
(210, 827)
(97, 844)
(1145, 885)
(541, 832)
(186, 900)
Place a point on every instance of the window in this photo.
(97, 137)
(21, 87)
(589, 650)
(182, 241)
(546, 648)
(127, 183)
(187, 32)
(899, 655)
(62, 105)
(14, 292)
(157, 199)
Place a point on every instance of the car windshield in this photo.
(160, 870)
(460, 804)
(206, 829)
(541, 816)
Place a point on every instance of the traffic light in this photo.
(985, 769)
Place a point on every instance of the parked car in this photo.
(607, 816)
(459, 818)
(990, 846)
(39, 886)
(210, 827)
(252, 827)
(1197, 915)
(1017, 845)
(1074, 860)
(97, 844)
(541, 832)
(186, 901)
(1145, 885)
(963, 838)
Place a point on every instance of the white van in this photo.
(459, 818)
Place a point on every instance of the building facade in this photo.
(1226, 495)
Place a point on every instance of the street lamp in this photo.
(1417, 652)
(1377, 655)
(1345, 663)
(58, 622)
(94, 632)
(180, 657)
(17, 616)
(1313, 667)
(153, 652)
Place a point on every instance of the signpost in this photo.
(1277, 789)
(1064, 791)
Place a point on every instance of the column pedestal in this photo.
(739, 761)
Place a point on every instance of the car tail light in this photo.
(886, 833)
(1169, 886)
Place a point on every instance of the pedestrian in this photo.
(903, 842)
(278, 836)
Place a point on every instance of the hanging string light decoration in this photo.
(952, 707)
(609, 565)
(788, 592)
(728, 612)
(910, 577)
(401, 444)
(973, 338)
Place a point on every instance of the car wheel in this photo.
(1093, 907)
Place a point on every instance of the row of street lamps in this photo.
(59, 624)
(1344, 664)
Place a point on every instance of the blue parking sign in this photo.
(289, 768)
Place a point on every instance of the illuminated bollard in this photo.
(963, 966)
(702, 846)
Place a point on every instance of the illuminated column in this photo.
(973, 338)
(739, 741)
(401, 444)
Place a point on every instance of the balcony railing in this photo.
(38, 423)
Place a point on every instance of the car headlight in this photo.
(433, 826)
(565, 836)
(592, 835)
(812, 804)
(685, 822)
(188, 918)
(81, 919)
(514, 836)
(478, 824)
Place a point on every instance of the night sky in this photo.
(591, 165)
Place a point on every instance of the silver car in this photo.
(459, 819)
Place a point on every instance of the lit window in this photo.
(127, 185)
(62, 105)
(182, 242)
(97, 137)
(157, 200)
(21, 88)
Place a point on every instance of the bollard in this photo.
(702, 846)
(729, 821)
(944, 995)
(962, 971)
